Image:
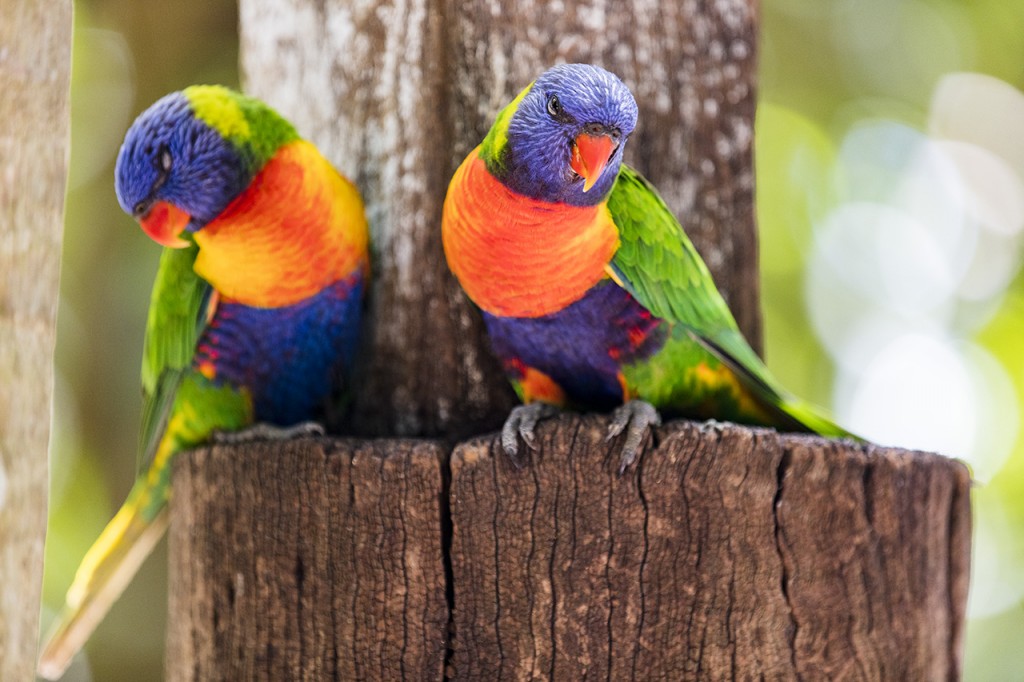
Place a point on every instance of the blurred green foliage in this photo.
(826, 66)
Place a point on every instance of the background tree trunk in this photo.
(397, 92)
(726, 552)
(35, 71)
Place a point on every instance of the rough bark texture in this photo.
(729, 553)
(725, 553)
(310, 560)
(35, 70)
(397, 92)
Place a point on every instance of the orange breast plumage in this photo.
(296, 229)
(519, 257)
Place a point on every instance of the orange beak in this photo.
(164, 223)
(590, 155)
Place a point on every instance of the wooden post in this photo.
(726, 552)
(35, 75)
(729, 553)
(313, 561)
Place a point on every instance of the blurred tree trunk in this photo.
(35, 71)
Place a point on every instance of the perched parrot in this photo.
(592, 294)
(255, 311)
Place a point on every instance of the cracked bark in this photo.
(307, 560)
(726, 552)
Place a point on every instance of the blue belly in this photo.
(290, 359)
(582, 346)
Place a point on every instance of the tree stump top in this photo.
(725, 551)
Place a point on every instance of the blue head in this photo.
(176, 171)
(562, 139)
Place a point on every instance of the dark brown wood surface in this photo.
(397, 92)
(725, 553)
(307, 560)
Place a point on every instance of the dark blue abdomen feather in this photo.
(582, 346)
(289, 358)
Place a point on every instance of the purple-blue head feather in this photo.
(170, 155)
(565, 101)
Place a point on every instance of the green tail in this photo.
(808, 416)
(791, 412)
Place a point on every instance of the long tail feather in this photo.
(814, 421)
(753, 373)
(106, 570)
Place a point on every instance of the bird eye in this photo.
(554, 106)
(165, 159)
(139, 208)
(162, 163)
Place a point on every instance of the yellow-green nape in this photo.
(221, 109)
(497, 138)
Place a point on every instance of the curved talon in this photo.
(521, 422)
(635, 417)
(264, 431)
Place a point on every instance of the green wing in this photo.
(177, 316)
(659, 266)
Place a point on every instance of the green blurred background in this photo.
(890, 171)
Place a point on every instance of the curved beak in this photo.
(164, 223)
(590, 154)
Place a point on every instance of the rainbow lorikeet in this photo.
(592, 294)
(255, 310)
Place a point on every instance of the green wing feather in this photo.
(659, 266)
(178, 313)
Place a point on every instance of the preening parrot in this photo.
(255, 311)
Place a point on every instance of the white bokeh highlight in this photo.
(911, 259)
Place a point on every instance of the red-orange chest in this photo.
(519, 257)
(298, 228)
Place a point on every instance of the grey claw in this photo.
(264, 431)
(636, 417)
(521, 423)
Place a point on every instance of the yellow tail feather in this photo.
(106, 570)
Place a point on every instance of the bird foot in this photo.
(636, 417)
(264, 431)
(521, 423)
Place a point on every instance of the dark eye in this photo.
(162, 163)
(139, 208)
(554, 106)
(163, 160)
